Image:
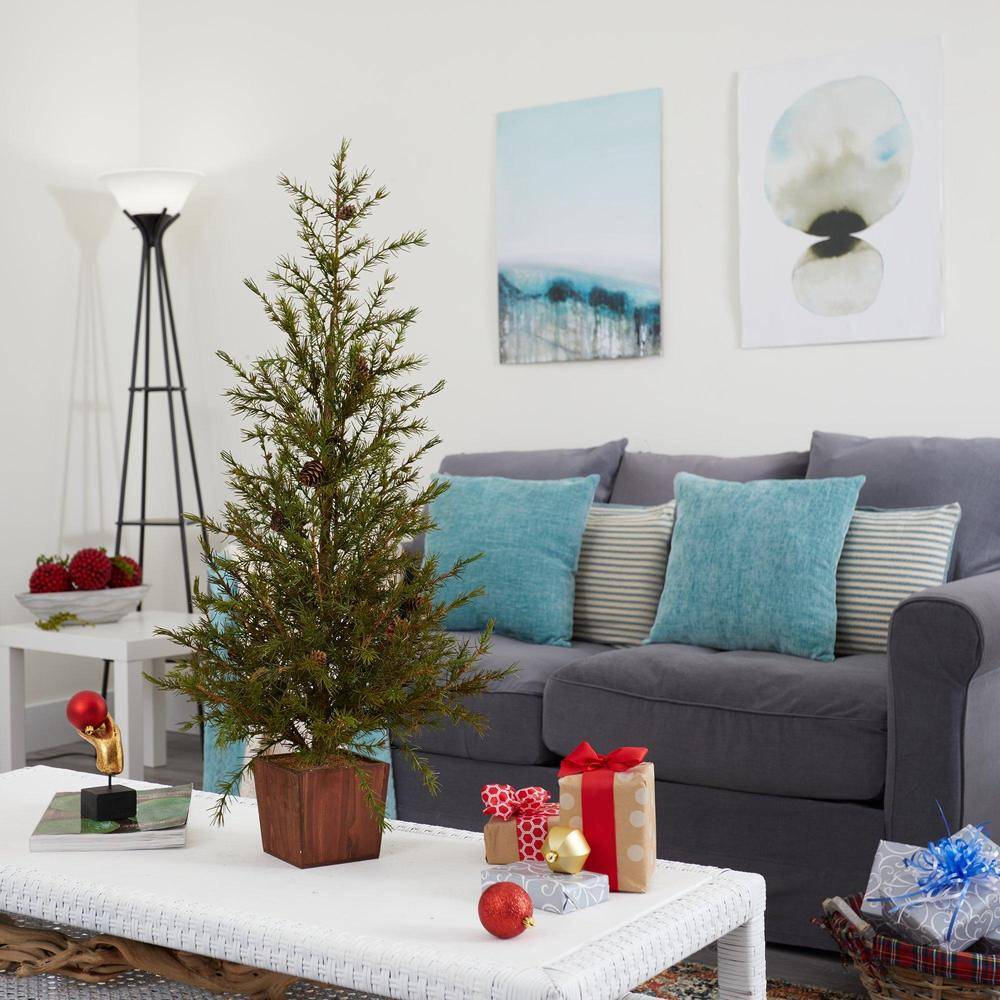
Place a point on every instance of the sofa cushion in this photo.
(620, 575)
(512, 707)
(648, 478)
(553, 463)
(748, 721)
(925, 472)
(889, 555)
(754, 565)
(527, 535)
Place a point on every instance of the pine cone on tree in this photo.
(346, 213)
(359, 377)
(318, 657)
(311, 474)
(278, 520)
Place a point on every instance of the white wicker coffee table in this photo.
(403, 926)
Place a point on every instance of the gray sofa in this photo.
(766, 762)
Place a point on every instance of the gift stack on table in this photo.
(601, 838)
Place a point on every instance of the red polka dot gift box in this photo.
(611, 798)
(519, 820)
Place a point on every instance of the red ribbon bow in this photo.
(506, 801)
(586, 758)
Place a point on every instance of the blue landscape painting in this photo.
(578, 229)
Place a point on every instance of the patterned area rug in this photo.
(690, 981)
(687, 981)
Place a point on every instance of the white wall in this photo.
(69, 108)
(243, 89)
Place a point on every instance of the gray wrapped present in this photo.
(946, 894)
(548, 891)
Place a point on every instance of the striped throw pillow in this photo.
(888, 555)
(620, 574)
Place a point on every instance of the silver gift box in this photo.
(926, 921)
(550, 892)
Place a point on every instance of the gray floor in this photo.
(797, 965)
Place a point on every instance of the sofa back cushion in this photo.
(529, 533)
(647, 478)
(620, 577)
(925, 472)
(754, 565)
(554, 463)
(888, 555)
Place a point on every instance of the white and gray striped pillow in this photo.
(619, 578)
(888, 555)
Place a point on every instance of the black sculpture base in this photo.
(108, 802)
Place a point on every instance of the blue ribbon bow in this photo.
(950, 865)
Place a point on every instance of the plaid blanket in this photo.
(969, 966)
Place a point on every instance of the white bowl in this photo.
(91, 607)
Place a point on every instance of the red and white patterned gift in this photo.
(519, 821)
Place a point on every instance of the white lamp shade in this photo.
(151, 191)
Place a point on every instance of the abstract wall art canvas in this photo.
(578, 229)
(840, 198)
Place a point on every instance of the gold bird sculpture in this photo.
(106, 739)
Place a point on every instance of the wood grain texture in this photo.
(318, 816)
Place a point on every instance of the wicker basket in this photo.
(894, 970)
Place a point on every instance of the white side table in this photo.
(132, 646)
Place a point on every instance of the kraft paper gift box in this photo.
(900, 899)
(548, 891)
(611, 798)
(519, 820)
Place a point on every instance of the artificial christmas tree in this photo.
(318, 632)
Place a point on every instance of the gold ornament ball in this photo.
(565, 850)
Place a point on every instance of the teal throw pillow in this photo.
(529, 532)
(754, 565)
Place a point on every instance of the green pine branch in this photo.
(318, 629)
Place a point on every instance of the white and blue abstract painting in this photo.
(840, 190)
(578, 229)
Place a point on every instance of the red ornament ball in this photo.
(50, 576)
(87, 708)
(90, 569)
(505, 910)
(125, 572)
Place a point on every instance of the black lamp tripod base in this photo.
(153, 267)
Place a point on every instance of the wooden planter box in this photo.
(317, 816)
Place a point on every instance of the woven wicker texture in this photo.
(874, 956)
(403, 926)
(128, 985)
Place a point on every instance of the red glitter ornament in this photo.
(125, 572)
(505, 910)
(50, 576)
(90, 569)
(87, 708)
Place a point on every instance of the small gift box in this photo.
(946, 894)
(611, 798)
(519, 820)
(548, 891)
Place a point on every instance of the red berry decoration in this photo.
(50, 576)
(90, 569)
(125, 572)
(87, 709)
(505, 910)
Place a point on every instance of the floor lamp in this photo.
(152, 200)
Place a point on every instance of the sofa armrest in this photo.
(944, 709)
